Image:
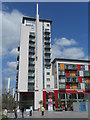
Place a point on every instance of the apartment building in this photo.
(39, 79)
(34, 61)
(71, 82)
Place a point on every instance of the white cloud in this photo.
(12, 65)
(76, 53)
(65, 42)
(14, 52)
(65, 48)
(11, 23)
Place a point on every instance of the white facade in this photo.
(35, 57)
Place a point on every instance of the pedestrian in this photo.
(5, 112)
(42, 110)
(31, 110)
(15, 112)
(22, 112)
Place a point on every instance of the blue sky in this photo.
(69, 31)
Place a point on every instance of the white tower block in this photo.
(8, 85)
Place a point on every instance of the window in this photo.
(48, 79)
(47, 25)
(48, 73)
(48, 86)
(61, 95)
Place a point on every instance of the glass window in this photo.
(48, 79)
(48, 86)
(58, 66)
(48, 25)
(48, 73)
(61, 95)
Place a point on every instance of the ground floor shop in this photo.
(52, 99)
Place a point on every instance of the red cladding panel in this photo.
(66, 73)
(56, 97)
(80, 79)
(89, 67)
(44, 99)
(79, 67)
(68, 85)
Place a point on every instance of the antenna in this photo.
(37, 9)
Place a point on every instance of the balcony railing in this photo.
(31, 51)
(47, 63)
(31, 62)
(32, 35)
(31, 56)
(70, 67)
(47, 46)
(32, 40)
(47, 41)
(31, 45)
(30, 80)
(47, 51)
(47, 57)
(31, 87)
(31, 74)
(31, 68)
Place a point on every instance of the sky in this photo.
(69, 31)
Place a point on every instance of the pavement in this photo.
(53, 114)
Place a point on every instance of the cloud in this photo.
(12, 65)
(65, 42)
(11, 23)
(76, 53)
(14, 52)
(65, 48)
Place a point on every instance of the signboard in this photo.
(50, 104)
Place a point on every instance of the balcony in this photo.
(18, 58)
(70, 67)
(31, 56)
(31, 68)
(30, 80)
(47, 46)
(18, 48)
(47, 41)
(32, 35)
(47, 52)
(47, 32)
(47, 64)
(61, 73)
(31, 74)
(31, 40)
(31, 62)
(31, 51)
(31, 45)
(17, 66)
(48, 57)
(47, 37)
(30, 87)
(62, 86)
(87, 74)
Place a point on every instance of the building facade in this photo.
(71, 82)
(38, 79)
(34, 60)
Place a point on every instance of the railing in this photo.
(31, 68)
(32, 56)
(31, 74)
(47, 46)
(30, 80)
(32, 45)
